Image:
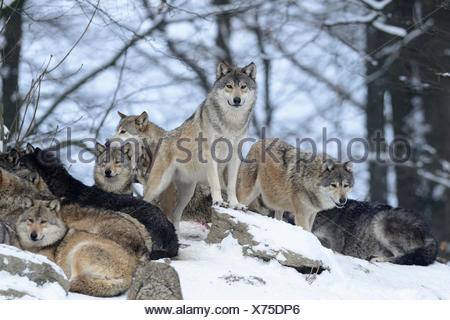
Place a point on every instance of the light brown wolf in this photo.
(113, 170)
(94, 265)
(293, 180)
(207, 142)
(116, 226)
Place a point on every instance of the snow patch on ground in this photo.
(221, 271)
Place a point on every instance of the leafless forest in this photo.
(359, 68)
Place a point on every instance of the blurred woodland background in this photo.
(354, 67)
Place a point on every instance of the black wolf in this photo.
(377, 233)
(62, 184)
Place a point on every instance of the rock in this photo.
(24, 274)
(265, 238)
(155, 281)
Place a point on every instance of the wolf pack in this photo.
(99, 234)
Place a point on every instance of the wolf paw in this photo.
(239, 206)
(378, 259)
(222, 204)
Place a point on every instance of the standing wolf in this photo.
(377, 233)
(293, 180)
(191, 153)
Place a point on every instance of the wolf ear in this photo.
(348, 166)
(250, 70)
(328, 165)
(121, 115)
(27, 202)
(99, 149)
(14, 157)
(34, 178)
(30, 148)
(54, 205)
(128, 150)
(142, 121)
(222, 69)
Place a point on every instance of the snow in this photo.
(396, 31)
(49, 290)
(377, 5)
(221, 271)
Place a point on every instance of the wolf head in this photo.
(236, 87)
(40, 225)
(130, 127)
(113, 167)
(336, 181)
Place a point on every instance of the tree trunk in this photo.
(12, 17)
(375, 120)
(421, 111)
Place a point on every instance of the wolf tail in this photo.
(421, 256)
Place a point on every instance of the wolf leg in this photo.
(185, 192)
(158, 180)
(233, 168)
(279, 214)
(214, 184)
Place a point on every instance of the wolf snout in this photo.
(33, 236)
(108, 173)
(342, 201)
(236, 100)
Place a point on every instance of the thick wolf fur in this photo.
(139, 127)
(11, 162)
(225, 114)
(377, 233)
(293, 180)
(113, 170)
(94, 265)
(8, 234)
(13, 189)
(62, 184)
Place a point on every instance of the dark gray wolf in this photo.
(377, 233)
(63, 185)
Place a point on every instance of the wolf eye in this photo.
(334, 185)
(346, 185)
(43, 221)
(243, 86)
(30, 220)
(229, 86)
(122, 132)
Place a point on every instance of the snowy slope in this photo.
(220, 271)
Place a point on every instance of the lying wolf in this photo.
(377, 233)
(94, 265)
(63, 185)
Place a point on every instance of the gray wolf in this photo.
(113, 170)
(293, 180)
(94, 265)
(63, 185)
(223, 117)
(377, 233)
(8, 234)
(12, 191)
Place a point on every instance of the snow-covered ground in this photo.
(221, 271)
